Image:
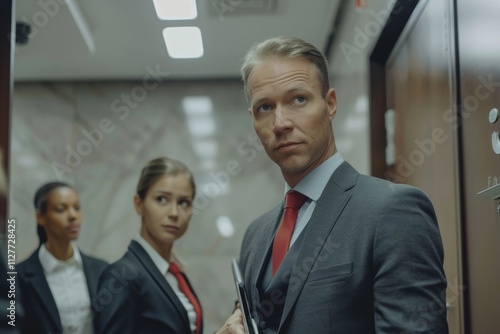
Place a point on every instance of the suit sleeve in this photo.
(409, 280)
(116, 303)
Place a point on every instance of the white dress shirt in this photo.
(163, 266)
(68, 285)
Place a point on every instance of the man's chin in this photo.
(292, 166)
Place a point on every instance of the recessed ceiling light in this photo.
(183, 42)
(176, 9)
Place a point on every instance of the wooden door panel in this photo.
(478, 31)
(420, 91)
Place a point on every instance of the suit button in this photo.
(262, 325)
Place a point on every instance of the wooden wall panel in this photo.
(478, 31)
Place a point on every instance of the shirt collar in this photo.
(50, 263)
(159, 262)
(313, 184)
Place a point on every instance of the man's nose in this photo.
(282, 121)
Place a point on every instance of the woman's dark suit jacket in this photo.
(40, 310)
(134, 297)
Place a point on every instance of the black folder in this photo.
(248, 321)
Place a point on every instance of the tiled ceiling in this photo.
(124, 39)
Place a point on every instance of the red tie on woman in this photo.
(293, 201)
(186, 290)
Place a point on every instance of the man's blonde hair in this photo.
(287, 48)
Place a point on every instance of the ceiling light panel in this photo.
(176, 9)
(183, 42)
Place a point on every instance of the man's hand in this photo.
(233, 325)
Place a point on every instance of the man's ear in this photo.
(138, 204)
(331, 101)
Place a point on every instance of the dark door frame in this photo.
(7, 47)
(379, 57)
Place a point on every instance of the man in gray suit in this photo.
(365, 255)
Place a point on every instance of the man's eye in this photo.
(265, 108)
(300, 99)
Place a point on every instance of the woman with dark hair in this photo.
(146, 291)
(58, 282)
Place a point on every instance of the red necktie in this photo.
(293, 202)
(186, 290)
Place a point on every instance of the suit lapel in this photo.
(90, 275)
(267, 231)
(37, 279)
(160, 280)
(328, 210)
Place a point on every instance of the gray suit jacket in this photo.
(370, 261)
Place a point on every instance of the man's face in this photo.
(291, 116)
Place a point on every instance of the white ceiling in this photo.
(127, 36)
